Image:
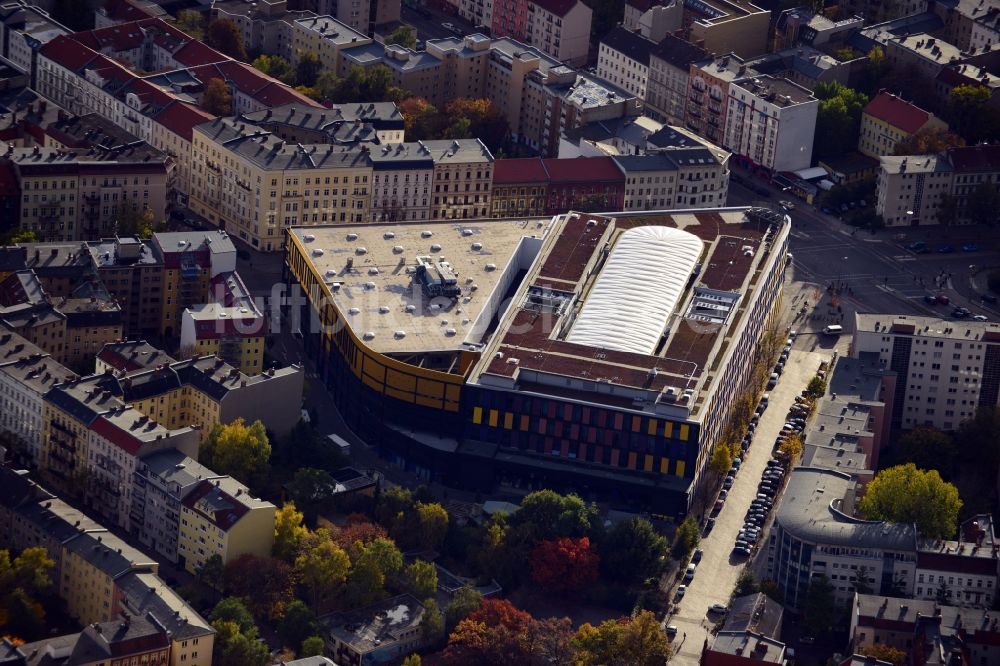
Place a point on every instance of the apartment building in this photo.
(909, 189)
(128, 357)
(771, 123)
(256, 185)
(26, 374)
(623, 58)
(130, 640)
(229, 326)
(402, 174)
(707, 100)
(23, 30)
(206, 391)
(588, 184)
(520, 187)
(348, 635)
(887, 120)
(462, 180)
(669, 76)
(132, 272)
(360, 15)
(99, 576)
(69, 195)
(675, 178)
(325, 36)
(560, 28)
(540, 97)
(170, 132)
(266, 25)
(654, 18)
(340, 124)
(190, 260)
(728, 26)
(877, 11)
(799, 26)
(25, 309)
(946, 369)
(93, 319)
(119, 438)
(963, 571)
(220, 517)
(161, 481)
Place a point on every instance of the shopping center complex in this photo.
(594, 353)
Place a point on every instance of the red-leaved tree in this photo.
(564, 565)
(500, 634)
(266, 584)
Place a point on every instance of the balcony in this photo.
(696, 99)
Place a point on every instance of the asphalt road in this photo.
(430, 27)
(719, 569)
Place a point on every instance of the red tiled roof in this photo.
(69, 53)
(275, 93)
(123, 439)
(521, 170)
(122, 11)
(557, 7)
(897, 112)
(181, 118)
(224, 518)
(975, 158)
(583, 169)
(197, 53)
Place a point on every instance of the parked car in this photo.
(773, 381)
(689, 574)
(709, 524)
(970, 247)
(671, 630)
(718, 608)
(681, 589)
(697, 555)
(980, 317)
(930, 299)
(742, 550)
(946, 249)
(728, 483)
(960, 313)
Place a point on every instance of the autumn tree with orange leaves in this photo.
(500, 634)
(564, 565)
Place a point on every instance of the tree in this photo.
(722, 460)
(632, 551)
(322, 568)
(234, 647)
(545, 514)
(928, 448)
(212, 572)
(771, 589)
(421, 579)
(311, 647)
(745, 584)
(845, 54)
(21, 580)
(191, 22)
(21, 615)
(863, 580)
(432, 624)
(928, 141)
(420, 119)
(238, 450)
(943, 593)
(265, 584)
(374, 563)
(310, 488)
(358, 531)
(404, 35)
(884, 652)
(838, 120)
(232, 609)
(275, 66)
(364, 85)
(686, 538)
(635, 641)
(307, 69)
(485, 120)
(432, 520)
(498, 634)
(983, 204)
(393, 506)
(297, 624)
(460, 128)
(288, 532)
(412, 660)
(217, 99)
(21, 236)
(131, 220)
(905, 494)
(819, 609)
(564, 565)
(947, 211)
(816, 388)
(464, 602)
(792, 448)
(225, 36)
(969, 115)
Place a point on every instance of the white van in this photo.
(833, 329)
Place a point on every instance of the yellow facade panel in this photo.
(477, 415)
(647, 464)
(399, 395)
(400, 380)
(431, 388)
(680, 468)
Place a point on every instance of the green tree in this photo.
(238, 450)
(884, 652)
(384, 554)
(722, 460)
(225, 36)
(905, 494)
(412, 660)
(311, 647)
(460, 128)
(928, 448)
(838, 119)
(307, 69)
(632, 551)
(928, 141)
(635, 641)
(771, 589)
(819, 610)
(404, 35)
(983, 204)
(288, 532)
(191, 22)
(432, 623)
(234, 647)
(310, 489)
(421, 579)
(420, 118)
(21, 236)
(432, 520)
(462, 603)
(686, 538)
(947, 211)
(545, 514)
(845, 54)
(792, 448)
(21, 615)
(745, 584)
(276, 66)
(212, 572)
(297, 624)
(232, 609)
(816, 388)
(969, 115)
(21, 581)
(322, 567)
(217, 99)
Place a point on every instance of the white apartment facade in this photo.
(623, 59)
(26, 374)
(771, 123)
(945, 369)
(562, 33)
(669, 74)
(908, 189)
(402, 176)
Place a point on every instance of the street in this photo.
(431, 27)
(718, 570)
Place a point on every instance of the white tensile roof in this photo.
(637, 290)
